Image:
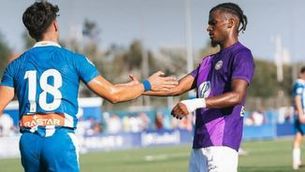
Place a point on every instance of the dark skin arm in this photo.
(232, 98)
(236, 96)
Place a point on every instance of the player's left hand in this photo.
(180, 111)
(160, 82)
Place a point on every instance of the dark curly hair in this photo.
(38, 17)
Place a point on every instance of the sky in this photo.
(273, 24)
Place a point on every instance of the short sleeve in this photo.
(8, 76)
(243, 66)
(298, 89)
(205, 63)
(86, 69)
(194, 73)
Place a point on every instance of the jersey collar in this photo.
(46, 43)
(301, 81)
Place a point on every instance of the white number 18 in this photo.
(46, 88)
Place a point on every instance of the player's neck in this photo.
(228, 43)
(51, 37)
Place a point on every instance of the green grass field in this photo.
(263, 156)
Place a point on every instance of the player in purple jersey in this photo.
(46, 79)
(221, 80)
(298, 94)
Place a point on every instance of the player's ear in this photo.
(55, 25)
(231, 22)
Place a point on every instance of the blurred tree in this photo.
(91, 30)
(27, 40)
(133, 58)
(286, 84)
(91, 34)
(205, 51)
(127, 61)
(5, 52)
(172, 61)
(265, 82)
(115, 68)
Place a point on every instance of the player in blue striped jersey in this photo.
(298, 94)
(46, 81)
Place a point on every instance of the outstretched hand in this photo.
(159, 82)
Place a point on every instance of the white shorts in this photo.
(213, 159)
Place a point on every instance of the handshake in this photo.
(159, 85)
(156, 83)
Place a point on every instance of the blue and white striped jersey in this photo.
(46, 79)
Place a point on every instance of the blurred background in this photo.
(139, 37)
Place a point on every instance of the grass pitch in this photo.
(263, 156)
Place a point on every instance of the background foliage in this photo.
(116, 63)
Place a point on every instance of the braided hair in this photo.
(234, 9)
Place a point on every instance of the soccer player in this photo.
(46, 80)
(221, 80)
(298, 95)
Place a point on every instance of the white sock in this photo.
(296, 156)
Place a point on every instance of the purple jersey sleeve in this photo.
(194, 73)
(204, 62)
(243, 66)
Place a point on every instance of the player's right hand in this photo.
(159, 82)
(179, 111)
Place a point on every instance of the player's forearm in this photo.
(123, 93)
(299, 110)
(185, 107)
(115, 93)
(6, 95)
(181, 88)
(298, 104)
(158, 93)
(231, 98)
(172, 92)
(225, 100)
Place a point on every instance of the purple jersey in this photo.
(213, 77)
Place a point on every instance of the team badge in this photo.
(218, 65)
(242, 111)
(204, 89)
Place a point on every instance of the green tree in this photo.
(265, 82)
(126, 61)
(27, 40)
(133, 58)
(172, 61)
(5, 52)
